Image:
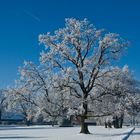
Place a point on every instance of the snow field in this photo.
(61, 133)
(135, 134)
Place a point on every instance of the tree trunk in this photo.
(116, 122)
(133, 120)
(121, 120)
(27, 121)
(0, 116)
(84, 126)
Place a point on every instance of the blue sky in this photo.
(21, 21)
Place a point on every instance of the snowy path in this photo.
(57, 133)
(135, 135)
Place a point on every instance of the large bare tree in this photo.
(78, 53)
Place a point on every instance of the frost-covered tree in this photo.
(3, 102)
(133, 106)
(79, 53)
(41, 87)
(23, 102)
(118, 88)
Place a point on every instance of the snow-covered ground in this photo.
(135, 134)
(57, 133)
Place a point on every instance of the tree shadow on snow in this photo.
(136, 133)
(108, 135)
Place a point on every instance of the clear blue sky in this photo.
(21, 21)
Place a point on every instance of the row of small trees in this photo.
(76, 77)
